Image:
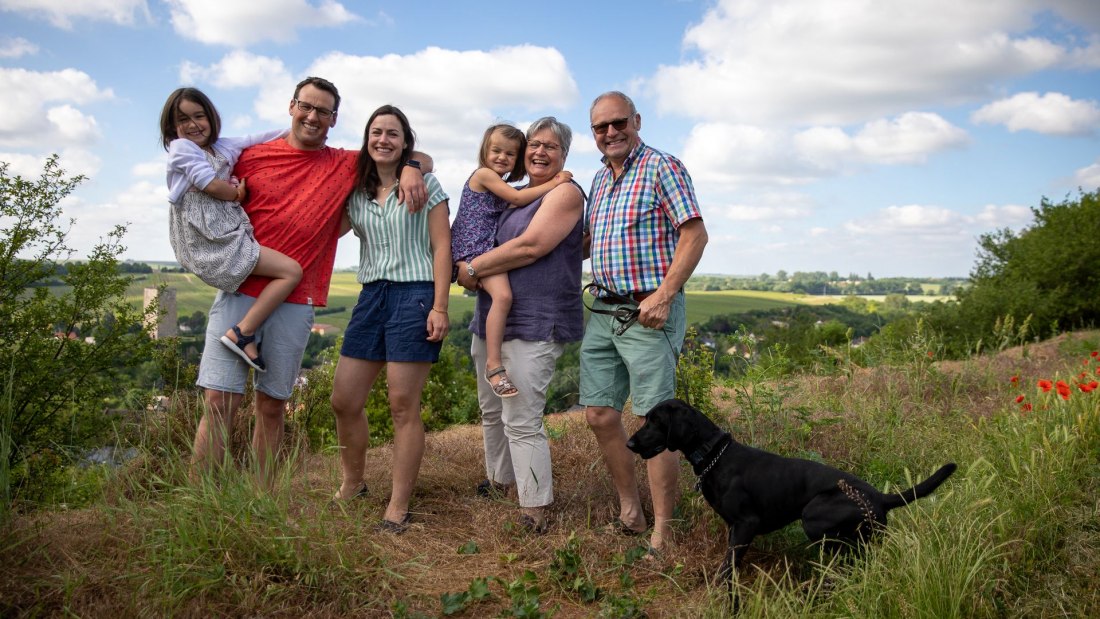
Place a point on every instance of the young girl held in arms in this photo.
(209, 230)
(484, 197)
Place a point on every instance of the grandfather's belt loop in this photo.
(625, 316)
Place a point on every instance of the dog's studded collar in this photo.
(696, 458)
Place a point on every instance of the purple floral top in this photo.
(475, 224)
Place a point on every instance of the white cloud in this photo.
(237, 69)
(1053, 113)
(910, 138)
(1004, 216)
(73, 162)
(911, 217)
(72, 125)
(763, 213)
(62, 13)
(15, 47)
(240, 24)
(731, 156)
(808, 62)
(29, 120)
(728, 156)
(1088, 178)
(142, 208)
(154, 168)
(451, 125)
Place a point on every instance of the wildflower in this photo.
(1027, 407)
(1082, 375)
(930, 354)
(1095, 353)
(1063, 389)
(1084, 387)
(1045, 385)
(1014, 380)
(1019, 398)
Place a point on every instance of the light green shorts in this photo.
(640, 363)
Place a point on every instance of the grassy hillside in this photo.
(1012, 534)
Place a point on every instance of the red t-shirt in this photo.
(295, 202)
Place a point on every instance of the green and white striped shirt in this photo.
(393, 243)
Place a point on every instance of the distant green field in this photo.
(702, 305)
(192, 295)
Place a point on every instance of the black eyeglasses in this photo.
(306, 108)
(619, 124)
(550, 147)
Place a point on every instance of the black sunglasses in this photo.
(619, 124)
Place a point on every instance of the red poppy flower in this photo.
(1019, 399)
(1045, 385)
(930, 354)
(1094, 384)
(1063, 389)
(1084, 387)
(1082, 374)
(1014, 380)
(1095, 353)
(1027, 406)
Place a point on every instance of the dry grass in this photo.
(84, 562)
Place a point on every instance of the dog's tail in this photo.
(920, 490)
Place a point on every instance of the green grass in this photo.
(1011, 534)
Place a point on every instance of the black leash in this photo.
(626, 315)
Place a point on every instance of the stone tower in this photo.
(167, 323)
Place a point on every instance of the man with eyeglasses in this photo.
(296, 192)
(646, 236)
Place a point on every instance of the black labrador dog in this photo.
(758, 492)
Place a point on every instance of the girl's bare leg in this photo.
(285, 273)
(500, 290)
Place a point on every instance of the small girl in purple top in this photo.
(210, 232)
(485, 196)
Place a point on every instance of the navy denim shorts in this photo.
(390, 323)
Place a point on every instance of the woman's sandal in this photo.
(505, 388)
(237, 347)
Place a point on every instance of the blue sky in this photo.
(854, 136)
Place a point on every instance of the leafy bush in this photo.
(66, 346)
(1047, 271)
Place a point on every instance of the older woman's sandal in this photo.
(503, 388)
(237, 347)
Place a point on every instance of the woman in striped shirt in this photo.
(400, 319)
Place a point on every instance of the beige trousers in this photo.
(516, 448)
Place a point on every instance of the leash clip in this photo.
(626, 316)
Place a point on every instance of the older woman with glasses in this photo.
(539, 247)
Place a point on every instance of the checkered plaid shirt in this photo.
(634, 219)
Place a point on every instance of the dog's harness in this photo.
(699, 456)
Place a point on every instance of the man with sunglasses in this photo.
(646, 236)
(296, 192)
